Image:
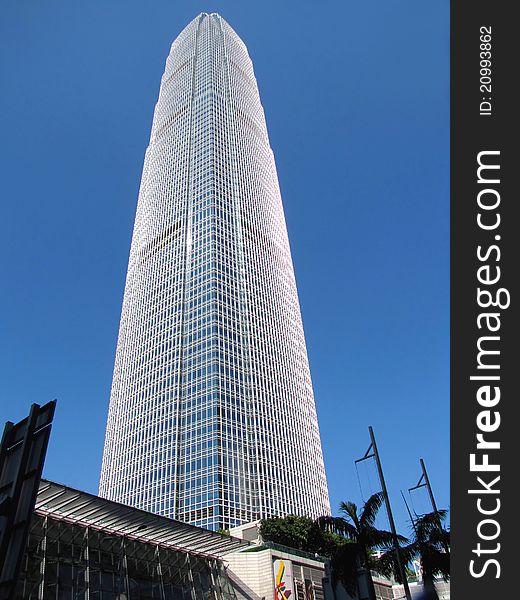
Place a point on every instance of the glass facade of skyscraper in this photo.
(212, 417)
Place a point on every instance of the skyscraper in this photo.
(212, 417)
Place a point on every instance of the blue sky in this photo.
(356, 96)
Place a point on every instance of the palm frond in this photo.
(337, 525)
(387, 563)
(426, 524)
(370, 510)
(378, 538)
(350, 510)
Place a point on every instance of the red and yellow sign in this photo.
(283, 579)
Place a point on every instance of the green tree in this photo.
(358, 528)
(431, 545)
(301, 533)
(305, 534)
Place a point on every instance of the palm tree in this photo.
(344, 565)
(431, 544)
(357, 527)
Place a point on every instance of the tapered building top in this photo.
(212, 417)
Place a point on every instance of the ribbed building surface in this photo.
(212, 417)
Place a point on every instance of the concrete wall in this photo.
(254, 570)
